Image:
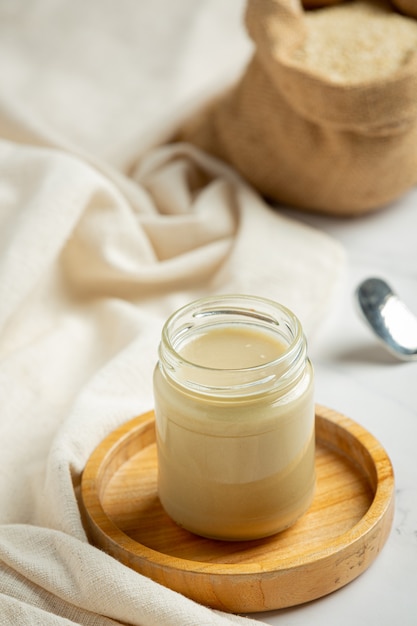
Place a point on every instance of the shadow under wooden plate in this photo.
(335, 541)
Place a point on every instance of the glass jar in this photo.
(234, 412)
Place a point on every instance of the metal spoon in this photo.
(388, 317)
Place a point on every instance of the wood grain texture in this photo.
(333, 543)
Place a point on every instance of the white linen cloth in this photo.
(102, 236)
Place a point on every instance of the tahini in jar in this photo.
(235, 418)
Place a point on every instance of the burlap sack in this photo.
(305, 140)
(409, 7)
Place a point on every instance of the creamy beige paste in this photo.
(234, 467)
(232, 348)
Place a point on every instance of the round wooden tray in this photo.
(335, 541)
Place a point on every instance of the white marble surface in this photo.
(357, 377)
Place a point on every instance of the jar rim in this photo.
(256, 315)
(281, 371)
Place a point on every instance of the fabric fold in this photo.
(94, 257)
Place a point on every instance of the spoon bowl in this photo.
(388, 317)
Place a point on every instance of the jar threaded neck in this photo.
(207, 315)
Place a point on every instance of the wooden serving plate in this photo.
(335, 541)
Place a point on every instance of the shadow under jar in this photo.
(234, 411)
